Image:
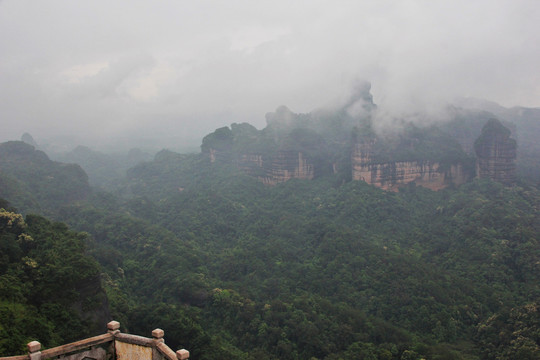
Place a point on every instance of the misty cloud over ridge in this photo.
(101, 68)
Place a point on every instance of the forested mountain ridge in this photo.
(343, 142)
(311, 269)
(104, 170)
(34, 183)
(323, 269)
(365, 272)
(388, 273)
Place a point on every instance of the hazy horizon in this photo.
(104, 71)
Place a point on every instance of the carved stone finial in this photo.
(113, 326)
(158, 334)
(182, 354)
(33, 346)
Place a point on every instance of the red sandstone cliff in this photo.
(496, 153)
(392, 175)
(285, 165)
(288, 165)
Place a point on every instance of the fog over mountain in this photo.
(135, 71)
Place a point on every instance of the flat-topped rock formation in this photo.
(343, 142)
(288, 165)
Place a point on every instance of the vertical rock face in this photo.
(283, 166)
(496, 153)
(250, 161)
(252, 164)
(288, 165)
(392, 175)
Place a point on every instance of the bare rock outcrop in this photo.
(496, 153)
(391, 175)
(288, 165)
(271, 170)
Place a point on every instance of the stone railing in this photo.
(110, 346)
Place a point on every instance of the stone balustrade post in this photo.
(113, 327)
(158, 335)
(182, 354)
(34, 350)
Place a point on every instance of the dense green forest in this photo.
(231, 268)
(49, 288)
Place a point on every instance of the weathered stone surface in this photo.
(496, 153)
(96, 353)
(113, 325)
(33, 346)
(252, 164)
(182, 354)
(158, 333)
(212, 154)
(125, 351)
(392, 175)
(250, 159)
(288, 165)
(285, 165)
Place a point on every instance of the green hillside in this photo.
(34, 183)
(49, 288)
(307, 269)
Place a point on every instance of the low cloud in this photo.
(101, 69)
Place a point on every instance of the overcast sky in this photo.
(183, 68)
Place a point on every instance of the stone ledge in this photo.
(77, 346)
(134, 339)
